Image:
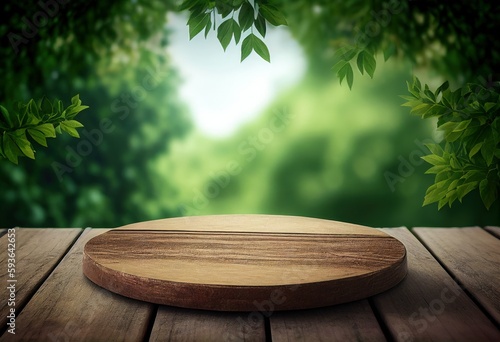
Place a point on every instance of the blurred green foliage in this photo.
(112, 54)
(384, 26)
(321, 150)
(351, 156)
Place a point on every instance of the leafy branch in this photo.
(365, 61)
(469, 118)
(250, 14)
(39, 120)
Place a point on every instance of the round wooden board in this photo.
(245, 262)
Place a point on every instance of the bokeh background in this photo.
(192, 131)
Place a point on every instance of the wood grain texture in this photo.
(254, 224)
(428, 305)
(37, 253)
(345, 322)
(68, 307)
(493, 230)
(473, 257)
(178, 324)
(204, 266)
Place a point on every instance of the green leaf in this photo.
(464, 189)
(462, 126)
(246, 47)
(489, 105)
(224, 9)
(488, 193)
(38, 136)
(41, 132)
(260, 25)
(5, 113)
(10, 148)
(437, 169)
(429, 93)
(237, 3)
(448, 127)
(443, 175)
(451, 196)
(435, 149)
(434, 159)
(47, 130)
(226, 31)
(253, 43)
(236, 32)
(261, 48)
(391, 49)
(488, 148)
(473, 175)
(346, 72)
(188, 4)
(421, 109)
(345, 53)
(246, 16)
(45, 106)
(452, 136)
(70, 126)
(350, 77)
(367, 62)
(475, 149)
(75, 100)
(416, 83)
(453, 184)
(442, 88)
(33, 108)
(197, 23)
(272, 15)
(24, 145)
(72, 123)
(208, 26)
(488, 151)
(442, 203)
(412, 90)
(339, 65)
(16, 144)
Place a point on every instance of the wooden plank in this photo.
(68, 307)
(428, 304)
(473, 257)
(177, 324)
(346, 322)
(37, 252)
(493, 230)
(202, 265)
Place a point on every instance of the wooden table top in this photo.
(451, 292)
(228, 262)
